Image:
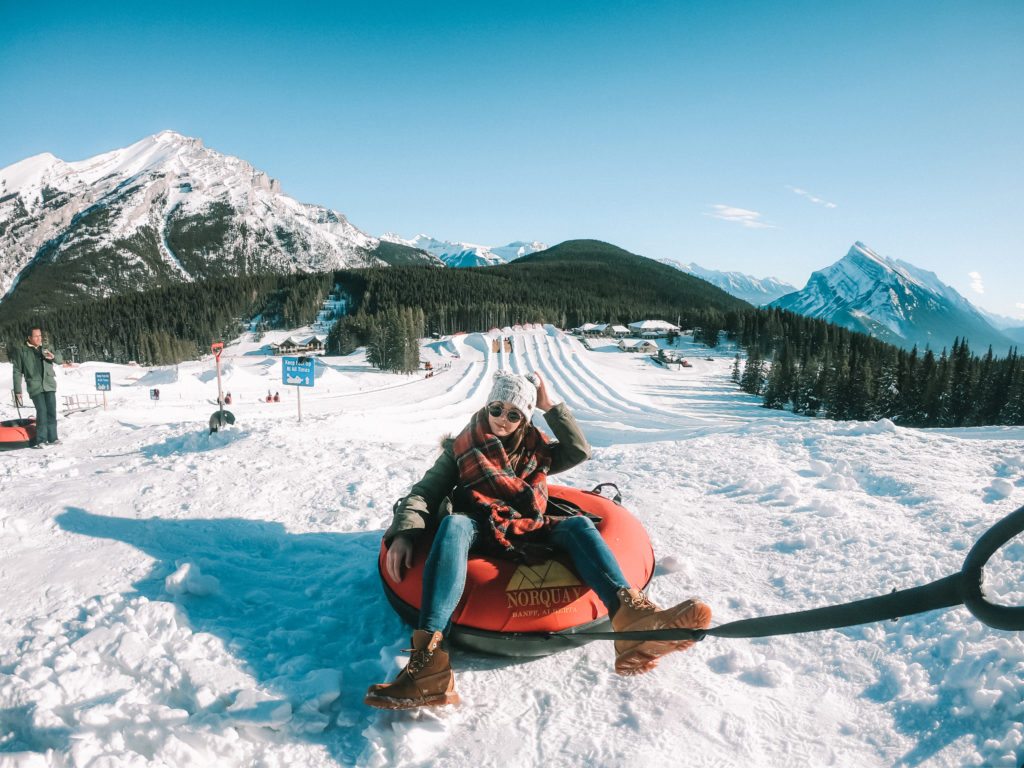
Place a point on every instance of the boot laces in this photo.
(639, 602)
(418, 660)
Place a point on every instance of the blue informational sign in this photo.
(102, 382)
(297, 371)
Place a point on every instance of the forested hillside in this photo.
(175, 323)
(816, 368)
(576, 282)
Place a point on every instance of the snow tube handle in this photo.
(959, 588)
(617, 498)
(995, 616)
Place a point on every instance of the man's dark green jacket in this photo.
(38, 372)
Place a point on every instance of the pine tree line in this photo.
(174, 323)
(815, 368)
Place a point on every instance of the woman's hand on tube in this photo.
(399, 556)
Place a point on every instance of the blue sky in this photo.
(764, 137)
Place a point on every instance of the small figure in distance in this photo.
(33, 361)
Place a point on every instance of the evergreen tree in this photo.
(936, 389)
(838, 401)
(887, 385)
(991, 391)
(862, 390)
(781, 379)
(1013, 411)
(961, 385)
(752, 380)
(804, 398)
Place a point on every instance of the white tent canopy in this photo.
(656, 326)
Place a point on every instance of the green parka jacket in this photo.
(429, 500)
(29, 362)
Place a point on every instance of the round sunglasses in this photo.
(511, 413)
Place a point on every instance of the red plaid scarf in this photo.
(513, 500)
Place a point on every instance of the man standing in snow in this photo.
(35, 363)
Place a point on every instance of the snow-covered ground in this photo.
(168, 597)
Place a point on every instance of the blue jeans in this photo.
(444, 576)
(46, 416)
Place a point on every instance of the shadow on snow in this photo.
(288, 604)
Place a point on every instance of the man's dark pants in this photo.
(46, 417)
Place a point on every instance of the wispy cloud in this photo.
(741, 216)
(976, 282)
(813, 198)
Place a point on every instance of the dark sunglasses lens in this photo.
(512, 414)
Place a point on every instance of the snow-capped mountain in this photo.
(893, 301)
(456, 254)
(753, 290)
(1012, 327)
(165, 209)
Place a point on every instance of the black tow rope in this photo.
(960, 588)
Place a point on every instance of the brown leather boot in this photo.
(636, 613)
(426, 681)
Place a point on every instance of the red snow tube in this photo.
(17, 433)
(509, 608)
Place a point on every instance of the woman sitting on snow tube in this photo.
(495, 473)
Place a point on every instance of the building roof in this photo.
(304, 341)
(653, 325)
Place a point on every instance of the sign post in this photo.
(217, 347)
(221, 417)
(298, 372)
(103, 385)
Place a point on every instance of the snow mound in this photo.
(159, 377)
(880, 427)
(189, 580)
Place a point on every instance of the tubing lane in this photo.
(598, 390)
(585, 386)
(583, 367)
(569, 393)
(569, 387)
(452, 401)
(515, 363)
(639, 407)
(431, 404)
(460, 401)
(483, 381)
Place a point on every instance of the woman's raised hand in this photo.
(543, 396)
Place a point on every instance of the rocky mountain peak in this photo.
(893, 300)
